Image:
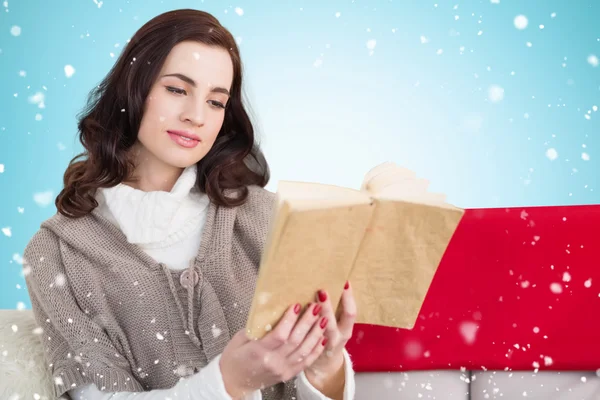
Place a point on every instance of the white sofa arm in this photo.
(24, 373)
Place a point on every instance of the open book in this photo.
(387, 239)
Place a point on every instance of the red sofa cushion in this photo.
(517, 288)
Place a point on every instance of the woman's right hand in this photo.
(292, 346)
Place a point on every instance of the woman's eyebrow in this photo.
(192, 83)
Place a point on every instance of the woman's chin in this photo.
(181, 162)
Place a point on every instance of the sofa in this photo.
(513, 312)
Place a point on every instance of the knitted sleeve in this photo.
(207, 384)
(77, 349)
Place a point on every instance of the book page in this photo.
(306, 196)
(398, 258)
(307, 250)
(385, 174)
(392, 182)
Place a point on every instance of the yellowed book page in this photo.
(398, 258)
(391, 182)
(306, 195)
(309, 250)
(386, 174)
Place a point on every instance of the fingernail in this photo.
(324, 322)
(322, 296)
(324, 342)
(347, 285)
(317, 309)
(297, 308)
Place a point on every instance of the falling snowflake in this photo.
(593, 60)
(588, 283)
(521, 22)
(60, 280)
(239, 11)
(15, 30)
(424, 40)
(159, 336)
(585, 156)
(1, 168)
(495, 93)
(371, 43)
(38, 98)
(556, 288)
(468, 331)
(263, 297)
(413, 349)
(216, 331)
(69, 71)
(566, 277)
(43, 199)
(338, 14)
(552, 154)
(7, 231)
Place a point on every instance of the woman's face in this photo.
(185, 108)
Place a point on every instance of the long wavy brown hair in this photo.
(107, 134)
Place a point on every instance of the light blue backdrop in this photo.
(451, 90)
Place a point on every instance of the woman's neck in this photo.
(151, 174)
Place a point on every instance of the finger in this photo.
(302, 328)
(314, 337)
(240, 338)
(280, 334)
(315, 353)
(348, 312)
(331, 331)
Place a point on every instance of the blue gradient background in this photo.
(326, 107)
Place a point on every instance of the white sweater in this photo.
(168, 226)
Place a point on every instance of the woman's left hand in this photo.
(337, 333)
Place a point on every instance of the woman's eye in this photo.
(217, 104)
(176, 90)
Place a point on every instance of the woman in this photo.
(143, 280)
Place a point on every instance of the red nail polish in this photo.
(297, 308)
(317, 309)
(324, 342)
(322, 296)
(346, 286)
(324, 322)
